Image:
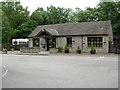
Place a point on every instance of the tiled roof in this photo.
(83, 28)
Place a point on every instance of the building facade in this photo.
(51, 37)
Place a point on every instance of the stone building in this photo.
(51, 37)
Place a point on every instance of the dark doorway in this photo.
(111, 47)
(47, 43)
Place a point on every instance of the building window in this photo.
(97, 41)
(35, 42)
(69, 41)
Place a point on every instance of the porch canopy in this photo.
(46, 32)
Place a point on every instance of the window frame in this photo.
(97, 41)
(69, 42)
(36, 42)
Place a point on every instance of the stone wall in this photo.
(30, 50)
(104, 49)
(30, 42)
(82, 42)
(76, 41)
(61, 41)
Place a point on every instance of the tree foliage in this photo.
(103, 12)
(18, 23)
(53, 15)
(25, 29)
(13, 15)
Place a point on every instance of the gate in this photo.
(115, 46)
(111, 47)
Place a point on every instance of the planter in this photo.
(93, 52)
(60, 49)
(78, 51)
(67, 51)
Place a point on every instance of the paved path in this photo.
(61, 71)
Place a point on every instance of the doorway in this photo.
(47, 43)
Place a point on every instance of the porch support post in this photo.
(40, 42)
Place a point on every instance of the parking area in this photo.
(60, 71)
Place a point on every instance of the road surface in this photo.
(60, 71)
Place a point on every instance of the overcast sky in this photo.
(34, 4)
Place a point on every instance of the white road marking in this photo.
(99, 58)
(5, 71)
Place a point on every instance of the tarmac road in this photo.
(60, 71)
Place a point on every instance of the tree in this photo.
(25, 29)
(16, 22)
(40, 16)
(105, 11)
(53, 15)
(13, 15)
(58, 15)
(111, 11)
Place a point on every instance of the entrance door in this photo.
(47, 43)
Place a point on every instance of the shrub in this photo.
(66, 49)
(93, 50)
(78, 49)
